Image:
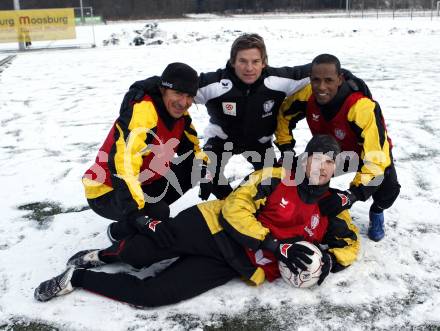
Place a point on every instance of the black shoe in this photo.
(56, 286)
(85, 259)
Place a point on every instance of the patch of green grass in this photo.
(43, 211)
(27, 326)
(258, 319)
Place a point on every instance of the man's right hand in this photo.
(157, 230)
(288, 153)
(294, 255)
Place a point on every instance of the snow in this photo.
(56, 107)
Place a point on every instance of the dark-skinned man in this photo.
(331, 107)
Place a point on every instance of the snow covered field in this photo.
(56, 108)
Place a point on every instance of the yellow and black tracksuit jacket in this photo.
(242, 221)
(354, 120)
(138, 150)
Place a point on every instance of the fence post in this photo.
(363, 4)
(21, 45)
(82, 11)
(377, 9)
(394, 2)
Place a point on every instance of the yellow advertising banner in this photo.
(37, 24)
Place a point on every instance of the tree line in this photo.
(140, 9)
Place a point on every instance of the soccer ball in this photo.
(305, 278)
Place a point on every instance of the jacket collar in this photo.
(311, 193)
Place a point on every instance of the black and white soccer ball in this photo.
(304, 278)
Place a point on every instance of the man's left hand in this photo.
(336, 202)
(328, 261)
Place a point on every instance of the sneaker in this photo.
(109, 234)
(55, 287)
(85, 259)
(376, 230)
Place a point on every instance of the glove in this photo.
(157, 210)
(336, 202)
(157, 230)
(206, 183)
(328, 260)
(337, 231)
(287, 151)
(289, 252)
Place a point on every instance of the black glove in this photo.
(328, 260)
(157, 230)
(206, 183)
(288, 153)
(336, 202)
(158, 210)
(293, 255)
(356, 84)
(337, 231)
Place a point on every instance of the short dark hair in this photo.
(328, 59)
(248, 41)
(323, 143)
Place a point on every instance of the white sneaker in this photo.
(55, 287)
(85, 259)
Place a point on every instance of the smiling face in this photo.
(176, 102)
(325, 82)
(248, 65)
(319, 168)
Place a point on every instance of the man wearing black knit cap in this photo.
(135, 175)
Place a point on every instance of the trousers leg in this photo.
(387, 192)
(216, 147)
(172, 188)
(106, 207)
(192, 237)
(187, 277)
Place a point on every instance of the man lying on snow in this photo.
(216, 241)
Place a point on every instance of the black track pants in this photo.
(387, 192)
(200, 266)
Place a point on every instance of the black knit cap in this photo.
(180, 77)
(323, 143)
